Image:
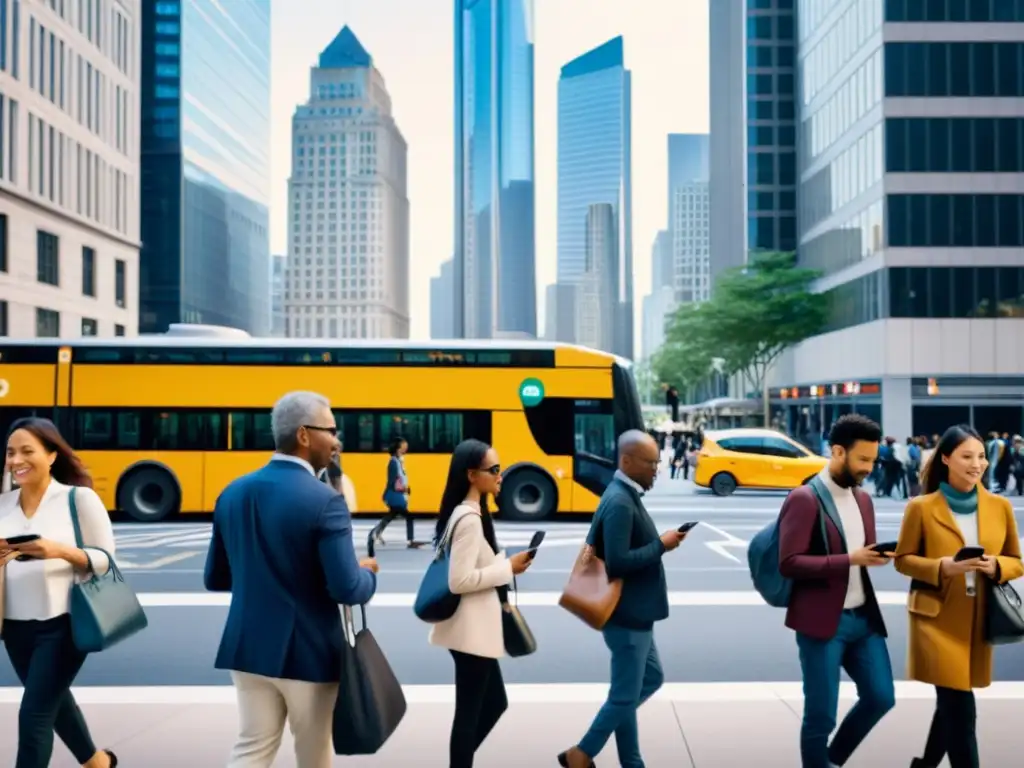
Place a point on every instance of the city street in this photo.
(720, 644)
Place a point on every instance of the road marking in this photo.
(557, 693)
(723, 598)
(728, 540)
(160, 563)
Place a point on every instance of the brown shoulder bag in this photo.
(590, 595)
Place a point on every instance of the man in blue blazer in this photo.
(282, 545)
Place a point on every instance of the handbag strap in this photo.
(444, 543)
(349, 624)
(80, 542)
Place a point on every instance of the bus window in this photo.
(551, 423)
(355, 431)
(250, 431)
(595, 428)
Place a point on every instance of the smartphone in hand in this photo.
(535, 543)
(969, 553)
(687, 527)
(884, 547)
(15, 540)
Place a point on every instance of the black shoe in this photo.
(918, 762)
(113, 758)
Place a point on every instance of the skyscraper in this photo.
(279, 267)
(910, 183)
(348, 213)
(442, 299)
(205, 164)
(495, 272)
(595, 292)
(727, 145)
(689, 214)
(595, 166)
(69, 171)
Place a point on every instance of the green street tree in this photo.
(685, 359)
(758, 312)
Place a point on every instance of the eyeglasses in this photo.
(492, 470)
(332, 431)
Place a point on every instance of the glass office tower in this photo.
(205, 154)
(494, 269)
(594, 166)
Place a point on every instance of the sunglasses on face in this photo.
(494, 470)
(332, 431)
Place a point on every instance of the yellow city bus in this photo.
(165, 422)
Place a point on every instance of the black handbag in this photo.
(370, 702)
(1004, 615)
(435, 602)
(519, 640)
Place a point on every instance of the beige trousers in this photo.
(265, 703)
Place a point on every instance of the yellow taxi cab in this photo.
(753, 458)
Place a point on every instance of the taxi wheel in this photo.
(148, 494)
(723, 484)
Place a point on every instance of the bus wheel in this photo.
(148, 494)
(527, 494)
(723, 484)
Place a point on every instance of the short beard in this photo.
(846, 478)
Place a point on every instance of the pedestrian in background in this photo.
(282, 546)
(36, 586)
(833, 608)
(396, 494)
(624, 536)
(480, 574)
(947, 604)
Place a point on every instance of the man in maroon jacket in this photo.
(832, 607)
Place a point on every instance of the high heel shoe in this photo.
(113, 758)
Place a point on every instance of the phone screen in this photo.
(23, 539)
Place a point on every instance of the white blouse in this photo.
(40, 589)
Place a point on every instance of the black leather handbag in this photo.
(1004, 615)
(519, 640)
(370, 702)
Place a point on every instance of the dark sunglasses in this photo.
(494, 469)
(332, 431)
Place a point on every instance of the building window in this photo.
(957, 10)
(955, 221)
(940, 69)
(3, 318)
(3, 234)
(88, 271)
(954, 145)
(47, 258)
(119, 283)
(956, 292)
(90, 327)
(47, 324)
(119, 330)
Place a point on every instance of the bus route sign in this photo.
(531, 392)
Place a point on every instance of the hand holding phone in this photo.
(968, 553)
(884, 547)
(14, 541)
(687, 527)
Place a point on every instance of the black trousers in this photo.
(394, 512)
(480, 701)
(46, 661)
(953, 733)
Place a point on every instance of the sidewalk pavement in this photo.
(711, 731)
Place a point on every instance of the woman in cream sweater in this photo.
(477, 570)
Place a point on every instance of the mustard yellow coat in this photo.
(946, 644)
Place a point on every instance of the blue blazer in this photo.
(282, 546)
(392, 497)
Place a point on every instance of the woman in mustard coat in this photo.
(947, 598)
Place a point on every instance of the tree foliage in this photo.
(754, 314)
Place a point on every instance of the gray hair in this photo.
(292, 412)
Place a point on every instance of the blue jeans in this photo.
(863, 654)
(635, 676)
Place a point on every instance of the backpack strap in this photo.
(827, 507)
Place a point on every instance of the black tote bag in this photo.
(370, 702)
(519, 640)
(1004, 615)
